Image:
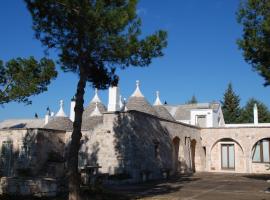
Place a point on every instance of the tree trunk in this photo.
(73, 174)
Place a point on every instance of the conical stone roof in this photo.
(88, 119)
(139, 103)
(59, 123)
(163, 112)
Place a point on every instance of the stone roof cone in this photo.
(157, 101)
(137, 92)
(96, 97)
(61, 112)
(96, 112)
(138, 102)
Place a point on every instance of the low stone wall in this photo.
(39, 187)
(260, 168)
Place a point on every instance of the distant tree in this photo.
(21, 78)
(93, 39)
(231, 105)
(254, 16)
(247, 112)
(193, 100)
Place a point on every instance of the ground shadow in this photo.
(153, 188)
(264, 177)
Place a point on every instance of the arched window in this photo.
(261, 151)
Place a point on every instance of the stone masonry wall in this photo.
(26, 151)
(244, 139)
(141, 146)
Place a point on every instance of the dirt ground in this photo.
(201, 186)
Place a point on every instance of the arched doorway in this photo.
(227, 155)
(193, 154)
(176, 146)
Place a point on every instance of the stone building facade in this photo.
(135, 140)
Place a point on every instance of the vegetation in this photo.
(93, 39)
(247, 112)
(193, 100)
(21, 78)
(254, 16)
(233, 113)
(231, 106)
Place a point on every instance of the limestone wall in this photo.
(191, 155)
(141, 146)
(244, 139)
(25, 152)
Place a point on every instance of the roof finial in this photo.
(96, 97)
(61, 112)
(137, 92)
(120, 102)
(96, 112)
(125, 105)
(48, 111)
(157, 102)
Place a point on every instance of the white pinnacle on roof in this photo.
(96, 98)
(120, 102)
(137, 92)
(125, 105)
(96, 112)
(61, 112)
(157, 102)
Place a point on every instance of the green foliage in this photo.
(21, 78)
(95, 37)
(254, 16)
(247, 112)
(193, 100)
(231, 106)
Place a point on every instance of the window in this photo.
(261, 151)
(201, 120)
(156, 148)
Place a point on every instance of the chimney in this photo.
(72, 112)
(48, 115)
(255, 114)
(114, 99)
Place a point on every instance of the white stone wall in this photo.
(244, 138)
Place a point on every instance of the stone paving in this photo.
(202, 186)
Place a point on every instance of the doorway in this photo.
(227, 156)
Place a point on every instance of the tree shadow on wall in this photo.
(85, 157)
(137, 135)
(143, 146)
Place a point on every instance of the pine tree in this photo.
(254, 17)
(23, 77)
(230, 106)
(247, 112)
(93, 39)
(193, 100)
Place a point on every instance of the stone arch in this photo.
(216, 157)
(224, 139)
(254, 144)
(255, 141)
(176, 147)
(193, 147)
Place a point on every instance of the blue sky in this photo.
(201, 58)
